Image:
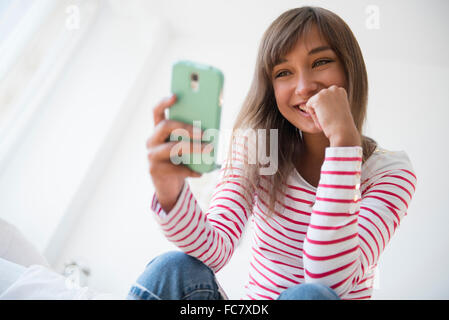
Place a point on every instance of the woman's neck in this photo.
(313, 148)
(310, 157)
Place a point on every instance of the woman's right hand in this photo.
(168, 178)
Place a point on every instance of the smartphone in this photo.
(199, 92)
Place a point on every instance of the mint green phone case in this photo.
(199, 91)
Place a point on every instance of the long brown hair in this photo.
(259, 109)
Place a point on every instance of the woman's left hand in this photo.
(331, 112)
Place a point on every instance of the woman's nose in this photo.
(306, 86)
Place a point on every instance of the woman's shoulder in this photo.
(384, 160)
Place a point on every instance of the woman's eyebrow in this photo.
(319, 49)
(311, 52)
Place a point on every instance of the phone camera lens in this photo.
(194, 84)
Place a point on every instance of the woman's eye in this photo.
(281, 74)
(320, 62)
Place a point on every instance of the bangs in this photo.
(285, 36)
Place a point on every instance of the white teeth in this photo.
(300, 108)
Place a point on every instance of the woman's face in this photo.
(311, 66)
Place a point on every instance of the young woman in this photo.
(323, 219)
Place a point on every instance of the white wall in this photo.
(114, 232)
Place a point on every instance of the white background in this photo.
(77, 182)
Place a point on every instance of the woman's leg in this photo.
(175, 276)
(309, 291)
(9, 273)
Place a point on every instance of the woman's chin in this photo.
(307, 128)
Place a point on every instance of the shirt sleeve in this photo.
(209, 236)
(352, 224)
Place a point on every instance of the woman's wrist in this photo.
(349, 139)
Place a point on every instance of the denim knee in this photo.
(175, 275)
(309, 291)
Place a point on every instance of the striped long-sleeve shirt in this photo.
(333, 234)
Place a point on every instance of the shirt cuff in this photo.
(344, 151)
(342, 161)
(161, 215)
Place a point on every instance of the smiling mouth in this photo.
(301, 110)
(300, 107)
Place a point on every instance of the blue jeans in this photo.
(177, 276)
